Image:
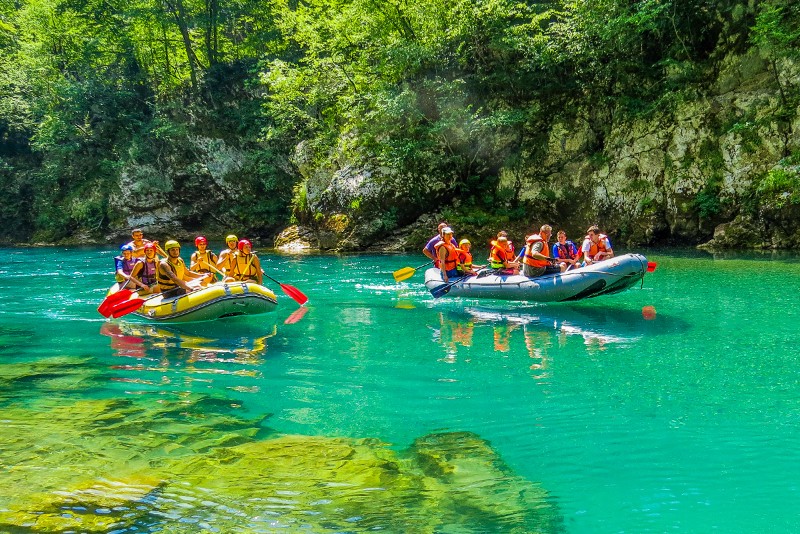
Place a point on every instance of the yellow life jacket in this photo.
(165, 283)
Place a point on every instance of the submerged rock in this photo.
(100, 465)
(478, 490)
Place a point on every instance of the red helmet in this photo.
(244, 242)
(200, 239)
(150, 246)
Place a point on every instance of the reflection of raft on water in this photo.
(602, 278)
(207, 304)
(607, 324)
(233, 338)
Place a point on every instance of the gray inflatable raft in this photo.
(602, 278)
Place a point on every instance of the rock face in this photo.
(772, 229)
(154, 195)
(674, 176)
(198, 183)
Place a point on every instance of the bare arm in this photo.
(167, 270)
(442, 255)
(132, 277)
(135, 275)
(259, 275)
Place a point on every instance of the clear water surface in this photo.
(686, 421)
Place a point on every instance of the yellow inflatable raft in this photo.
(213, 302)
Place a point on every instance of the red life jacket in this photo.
(565, 251)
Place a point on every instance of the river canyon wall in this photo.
(664, 123)
(717, 170)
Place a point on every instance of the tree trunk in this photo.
(179, 13)
(212, 10)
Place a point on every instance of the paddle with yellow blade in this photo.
(408, 272)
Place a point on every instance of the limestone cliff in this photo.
(715, 164)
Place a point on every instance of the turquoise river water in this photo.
(687, 421)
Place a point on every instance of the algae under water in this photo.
(382, 408)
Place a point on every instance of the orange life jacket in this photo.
(527, 255)
(600, 246)
(498, 256)
(464, 259)
(451, 260)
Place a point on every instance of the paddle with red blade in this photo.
(651, 266)
(124, 308)
(111, 300)
(128, 306)
(293, 292)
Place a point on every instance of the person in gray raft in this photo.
(596, 246)
(535, 257)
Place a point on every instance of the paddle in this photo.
(111, 300)
(651, 266)
(408, 272)
(126, 307)
(213, 268)
(132, 305)
(293, 292)
(104, 308)
(115, 298)
(441, 291)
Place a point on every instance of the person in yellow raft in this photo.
(174, 278)
(138, 242)
(225, 260)
(246, 267)
(202, 259)
(149, 270)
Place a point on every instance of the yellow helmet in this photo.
(231, 238)
(171, 244)
(464, 242)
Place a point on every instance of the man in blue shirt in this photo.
(565, 250)
(430, 249)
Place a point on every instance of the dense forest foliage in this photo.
(451, 89)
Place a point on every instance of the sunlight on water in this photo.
(671, 407)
